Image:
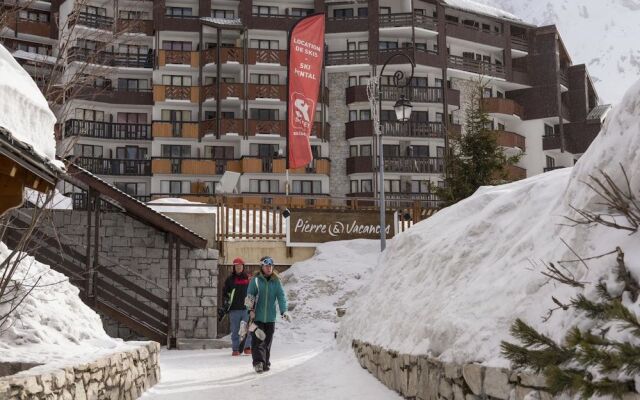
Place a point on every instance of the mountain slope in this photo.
(603, 34)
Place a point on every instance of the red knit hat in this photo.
(238, 261)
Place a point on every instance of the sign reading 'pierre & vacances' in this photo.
(310, 227)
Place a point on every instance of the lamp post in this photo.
(402, 109)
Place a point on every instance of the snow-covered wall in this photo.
(451, 286)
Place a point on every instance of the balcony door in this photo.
(131, 156)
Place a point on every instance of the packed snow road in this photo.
(297, 372)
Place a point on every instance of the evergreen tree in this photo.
(474, 158)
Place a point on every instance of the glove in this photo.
(286, 316)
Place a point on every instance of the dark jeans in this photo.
(261, 349)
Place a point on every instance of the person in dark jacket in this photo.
(235, 291)
(265, 290)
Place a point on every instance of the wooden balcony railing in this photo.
(144, 26)
(515, 173)
(359, 164)
(227, 90)
(112, 166)
(519, 43)
(347, 24)
(92, 20)
(475, 33)
(227, 55)
(178, 57)
(107, 130)
(132, 60)
(407, 19)
(188, 166)
(235, 126)
(267, 56)
(420, 165)
(511, 140)
(397, 129)
(185, 93)
(496, 105)
(266, 127)
(347, 57)
(187, 130)
(475, 66)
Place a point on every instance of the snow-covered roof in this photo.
(470, 5)
(24, 111)
(599, 112)
(231, 22)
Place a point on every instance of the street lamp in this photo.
(402, 109)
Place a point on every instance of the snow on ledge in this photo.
(479, 8)
(24, 111)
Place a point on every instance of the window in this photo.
(211, 80)
(365, 150)
(179, 12)
(389, 115)
(353, 81)
(131, 153)
(176, 115)
(486, 59)
(382, 45)
(176, 80)
(468, 55)
(353, 151)
(133, 49)
(499, 94)
(86, 150)
(551, 162)
(366, 186)
(355, 187)
(95, 10)
(176, 151)
(487, 93)
(500, 127)
(176, 45)
(364, 45)
(548, 130)
(420, 186)
(219, 152)
(365, 115)
(364, 80)
(351, 46)
(353, 115)
(419, 116)
(264, 186)
(265, 10)
(419, 150)
(420, 81)
(343, 13)
(224, 115)
(263, 150)
(438, 82)
(264, 114)
(264, 79)
(175, 187)
(33, 48)
(224, 14)
(307, 187)
(132, 118)
(33, 16)
(363, 11)
(391, 150)
(264, 44)
(385, 10)
(133, 85)
(392, 186)
(89, 115)
(129, 14)
(440, 152)
(90, 44)
(440, 117)
(132, 188)
(301, 12)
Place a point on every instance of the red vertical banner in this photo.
(306, 53)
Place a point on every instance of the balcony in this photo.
(511, 140)
(180, 23)
(475, 66)
(227, 126)
(475, 34)
(107, 130)
(356, 129)
(418, 165)
(233, 55)
(515, 173)
(177, 57)
(564, 80)
(188, 166)
(180, 93)
(267, 56)
(359, 164)
(415, 94)
(135, 26)
(113, 95)
(400, 199)
(175, 129)
(347, 57)
(496, 105)
(578, 137)
(92, 21)
(227, 91)
(35, 28)
(107, 58)
(519, 43)
(347, 24)
(276, 92)
(267, 127)
(280, 22)
(407, 20)
(111, 166)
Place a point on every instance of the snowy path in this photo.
(298, 372)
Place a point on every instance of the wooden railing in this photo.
(92, 20)
(108, 58)
(347, 57)
(420, 165)
(475, 66)
(107, 130)
(511, 139)
(407, 19)
(113, 166)
(502, 106)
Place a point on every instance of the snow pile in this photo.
(452, 285)
(52, 325)
(57, 202)
(479, 8)
(24, 111)
(178, 205)
(317, 286)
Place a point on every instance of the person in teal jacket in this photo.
(265, 289)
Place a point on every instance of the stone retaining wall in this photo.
(120, 376)
(424, 378)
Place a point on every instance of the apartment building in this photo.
(182, 91)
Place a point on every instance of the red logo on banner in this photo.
(306, 52)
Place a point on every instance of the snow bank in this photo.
(24, 111)
(52, 325)
(452, 285)
(320, 284)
